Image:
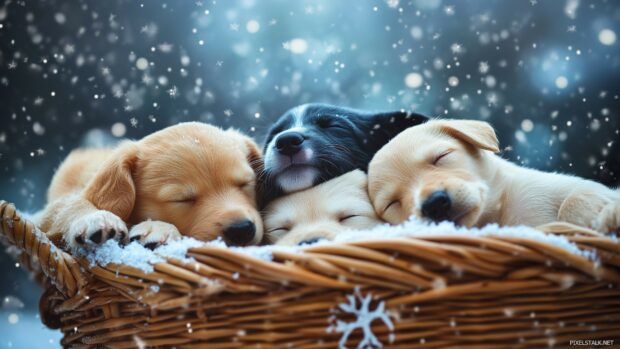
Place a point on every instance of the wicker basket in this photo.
(437, 292)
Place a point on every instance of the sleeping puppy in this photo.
(446, 170)
(321, 212)
(197, 178)
(313, 143)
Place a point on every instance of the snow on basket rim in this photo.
(415, 227)
(136, 255)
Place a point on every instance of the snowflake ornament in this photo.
(364, 318)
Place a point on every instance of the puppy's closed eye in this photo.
(280, 230)
(326, 122)
(442, 155)
(184, 200)
(345, 217)
(246, 184)
(178, 194)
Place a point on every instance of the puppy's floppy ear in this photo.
(112, 188)
(380, 128)
(253, 152)
(480, 134)
(255, 156)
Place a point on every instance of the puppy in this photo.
(321, 212)
(313, 143)
(446, 170)
(197, 178)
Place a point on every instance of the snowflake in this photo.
(173, 92)
(483, 67)
(456, 48)
(364, 318)
(146, 79)
(165, 47)
(149, 30)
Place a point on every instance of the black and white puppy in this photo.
(313, 143)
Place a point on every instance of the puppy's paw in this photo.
(95, 229)
(608, 221)
(152, 234)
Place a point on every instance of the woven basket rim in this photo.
(69, 273)
(109, 305)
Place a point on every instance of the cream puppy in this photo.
(321, 212)
(447, 170)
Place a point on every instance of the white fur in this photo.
(271, 154)
(297, 179)
(298, 114)
(483, 187)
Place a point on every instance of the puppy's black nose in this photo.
(437, 206)
(240, 233)
(289, 143)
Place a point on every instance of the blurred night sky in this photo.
(545, 73)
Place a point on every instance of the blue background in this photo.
(544, 73)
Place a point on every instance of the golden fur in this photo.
(195, 177)
(321, 212)
(483, 187)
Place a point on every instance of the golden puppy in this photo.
(321, 212)
(446, 170)
(197, 178)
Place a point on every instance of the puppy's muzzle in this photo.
(240, 232)
(437, 206)
(289, 143)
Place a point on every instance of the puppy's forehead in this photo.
(297, 115)
(321, 200)
(196, 148)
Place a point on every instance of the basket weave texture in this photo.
(438, 291)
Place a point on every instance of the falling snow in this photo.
(544, 73)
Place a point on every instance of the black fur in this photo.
(341, 139)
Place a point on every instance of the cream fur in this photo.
(321, 212)
(484, 188)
